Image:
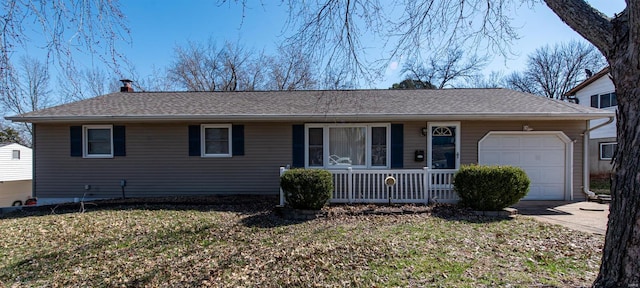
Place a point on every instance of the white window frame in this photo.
(325, 144)
(599, 96)
(430, 126)
(15, 155)
(203, 153)
(85, 141)
(603, 144)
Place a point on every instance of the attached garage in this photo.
(545, 156)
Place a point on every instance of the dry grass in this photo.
(247, 245)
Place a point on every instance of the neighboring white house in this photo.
(15, 174)
(598, 91)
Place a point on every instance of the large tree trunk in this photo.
(620, 265)
(621, 256)
(619, 40)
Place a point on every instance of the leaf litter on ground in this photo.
(231, 242)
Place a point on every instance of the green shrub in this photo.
(490, 188)
(307, 188)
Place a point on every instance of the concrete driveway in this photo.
(582, 216)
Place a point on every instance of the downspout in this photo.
(585, 157)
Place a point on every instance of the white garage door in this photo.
(541, 156)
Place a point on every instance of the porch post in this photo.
(426, 184)
(350, 184)
(282, 169)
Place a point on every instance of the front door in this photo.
(443, 145)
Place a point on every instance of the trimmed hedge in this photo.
(307, 188)
(490, 188)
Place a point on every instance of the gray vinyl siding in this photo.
(157, 162)
(413, 140)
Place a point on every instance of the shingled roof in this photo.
(343, 105)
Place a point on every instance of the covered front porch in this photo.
(411, 186)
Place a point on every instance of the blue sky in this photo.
(158, 26)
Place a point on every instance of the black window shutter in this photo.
(75, 140)
(298, 146)
(397, 145)
(119, 141)
(237, 140)
(194, 140)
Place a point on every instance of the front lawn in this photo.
(247, 245)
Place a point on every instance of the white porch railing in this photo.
(412, 186)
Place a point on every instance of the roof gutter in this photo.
(585, 158)
(313, 117)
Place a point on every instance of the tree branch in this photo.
(590, 23)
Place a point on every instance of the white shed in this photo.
(16, 174)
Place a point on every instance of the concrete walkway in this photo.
(582, 216)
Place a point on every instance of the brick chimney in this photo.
(126, 85)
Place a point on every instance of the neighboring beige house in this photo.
(15, 174)
(152, 144)
(598, 91)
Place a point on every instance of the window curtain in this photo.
(347, 146)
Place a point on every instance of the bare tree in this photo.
(28, 89)
(329, 31)
(67, 26)
(88, 83)
(254, 77)
(443, 69)
(195, 67)
(157, 80)
(336, 79)
(330, 26)
(617, 40)
(198, 67)
(234, 68)
(493, 80)
(519, 81)
(554, 70)
(233, 59)
(290, 69)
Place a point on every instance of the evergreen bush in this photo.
(307, 188)
(490, 188)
